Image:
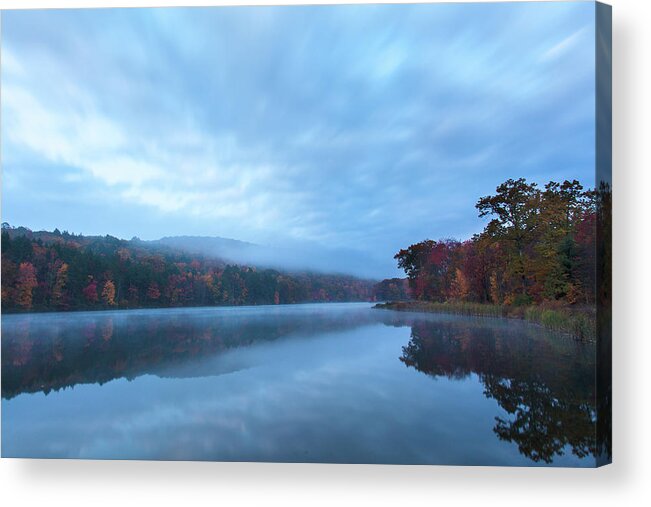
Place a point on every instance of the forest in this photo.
(541, 246)
(48, 271)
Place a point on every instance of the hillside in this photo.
(59, 271)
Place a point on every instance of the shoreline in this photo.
(202, 307)
(578, 325)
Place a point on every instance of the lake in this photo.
(337, 383)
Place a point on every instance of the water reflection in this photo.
(546, 386)
(48, 352)
(305, 383)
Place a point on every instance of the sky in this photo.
(358, 130)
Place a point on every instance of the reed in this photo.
(579, 324)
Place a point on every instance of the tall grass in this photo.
(579, 324)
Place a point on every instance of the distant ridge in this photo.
(305, 258)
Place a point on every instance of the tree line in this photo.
(541, 245)
(392, 289)
(45, 271)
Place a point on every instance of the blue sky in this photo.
(364, 128)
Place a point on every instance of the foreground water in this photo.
(340, 383)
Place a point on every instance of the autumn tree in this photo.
(9, 276)
(556, 253)
(460, 288)
(108, 293)
(392, 289)
(58, 290)
(26, 283)
(153, 292)
(90, 291)
(429, 265)
(513, 209)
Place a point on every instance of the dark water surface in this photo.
(338, 383)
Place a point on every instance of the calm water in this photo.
(310, 383)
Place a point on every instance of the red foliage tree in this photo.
(90, 292)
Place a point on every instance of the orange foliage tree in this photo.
(108, 293)
(26, 284)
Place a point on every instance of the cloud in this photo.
(565, 45)
(353, 127)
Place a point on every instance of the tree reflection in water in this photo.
(43, 353)
(547, 386)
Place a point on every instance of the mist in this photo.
(296, 256)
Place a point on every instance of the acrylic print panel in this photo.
(339, 234)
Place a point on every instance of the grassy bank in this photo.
(578, 324)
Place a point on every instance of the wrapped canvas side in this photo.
(604, 231)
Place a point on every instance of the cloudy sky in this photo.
(364, 128)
